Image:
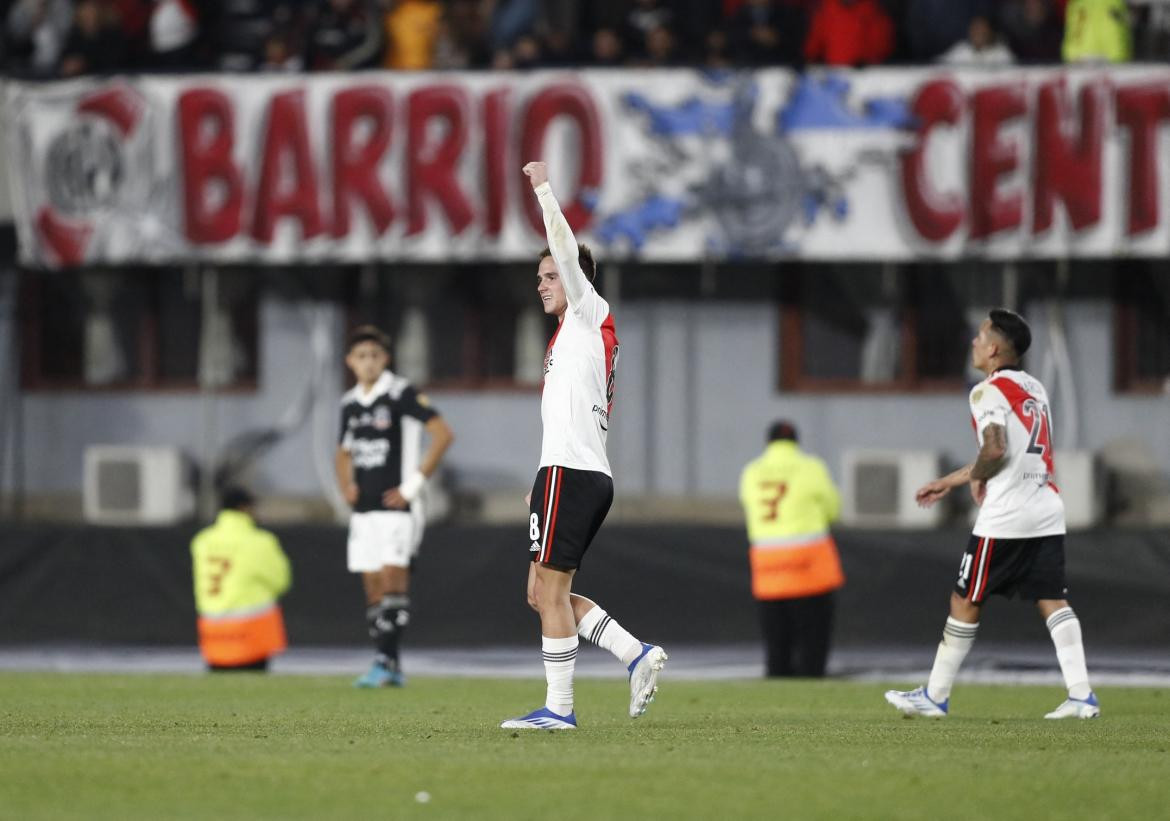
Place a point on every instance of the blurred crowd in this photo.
(63, 38)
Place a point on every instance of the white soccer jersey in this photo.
(1022, 501)
(580, 363)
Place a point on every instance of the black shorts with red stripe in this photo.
(568, 507)
(1032, 569)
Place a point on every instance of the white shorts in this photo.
(383, 538)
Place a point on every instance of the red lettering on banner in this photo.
(355, 165)
(1141, 110)
(287, 137)
(495, 160)
(213, 194)
(1068, 166)
(935, 217)
(433, 169)
(992, 210)
(574, 102)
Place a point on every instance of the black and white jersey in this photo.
(382, 430)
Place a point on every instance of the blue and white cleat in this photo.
(644, 672)
(917, 703)
(1077, 708)
(542, 719)
(380, 676)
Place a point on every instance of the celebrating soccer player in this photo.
(1017, 545)
(573, 488)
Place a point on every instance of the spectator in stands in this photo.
(767, 32)
(790, 501)
(660, 48)
(462, 39)
(240, 572)
(1097, 31)
(607, 48)
(559, 49)
(715, 50)
(933, 26)
(280, 55)
(412, 30)
(346, 35)
(981, 48)
(643, 17)
(1033, 28)
(849, 33)
(95, 44)
(36, 32)
(510, 21)
(174, 29)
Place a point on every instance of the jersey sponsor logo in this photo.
(369, 453)
(603, 416)
(380, 419)
(548, 362)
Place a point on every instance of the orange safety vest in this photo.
(236, 639)
(795, 568)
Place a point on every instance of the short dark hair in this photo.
(584, 259)
(1012, 327)
(780, 430)
(367, 333)
(236, 498)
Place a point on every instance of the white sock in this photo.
(597, 626)
(560, 657)
(1065, 628)
(958, 636)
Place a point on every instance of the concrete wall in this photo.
(696, 387)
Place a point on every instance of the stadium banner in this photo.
(666, 165)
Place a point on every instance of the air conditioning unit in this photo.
(133, 485)
(879, 485)
(1081, 481)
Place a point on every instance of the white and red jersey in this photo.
(1022, 501)
(581, 360)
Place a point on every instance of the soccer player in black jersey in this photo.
(381, 471)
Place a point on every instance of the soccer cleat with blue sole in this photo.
(644, 672)
(380, 676)
(542, 719)
(1077, 708)
(917, 703)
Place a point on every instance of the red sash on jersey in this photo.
(1016, 397)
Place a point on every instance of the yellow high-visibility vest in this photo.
(239, 571)
(1097, 30)
(789, 501)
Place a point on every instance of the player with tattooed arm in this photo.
(1017, 544)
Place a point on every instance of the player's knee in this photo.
(964, 610)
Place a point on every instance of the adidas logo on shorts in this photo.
(535, 548)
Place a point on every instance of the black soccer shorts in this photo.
(1033, 569)
(567, 509)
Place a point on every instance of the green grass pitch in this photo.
(248, 746)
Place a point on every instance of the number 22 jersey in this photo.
(1022, 502)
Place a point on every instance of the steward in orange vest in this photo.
(240, 571)
(789, 501)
